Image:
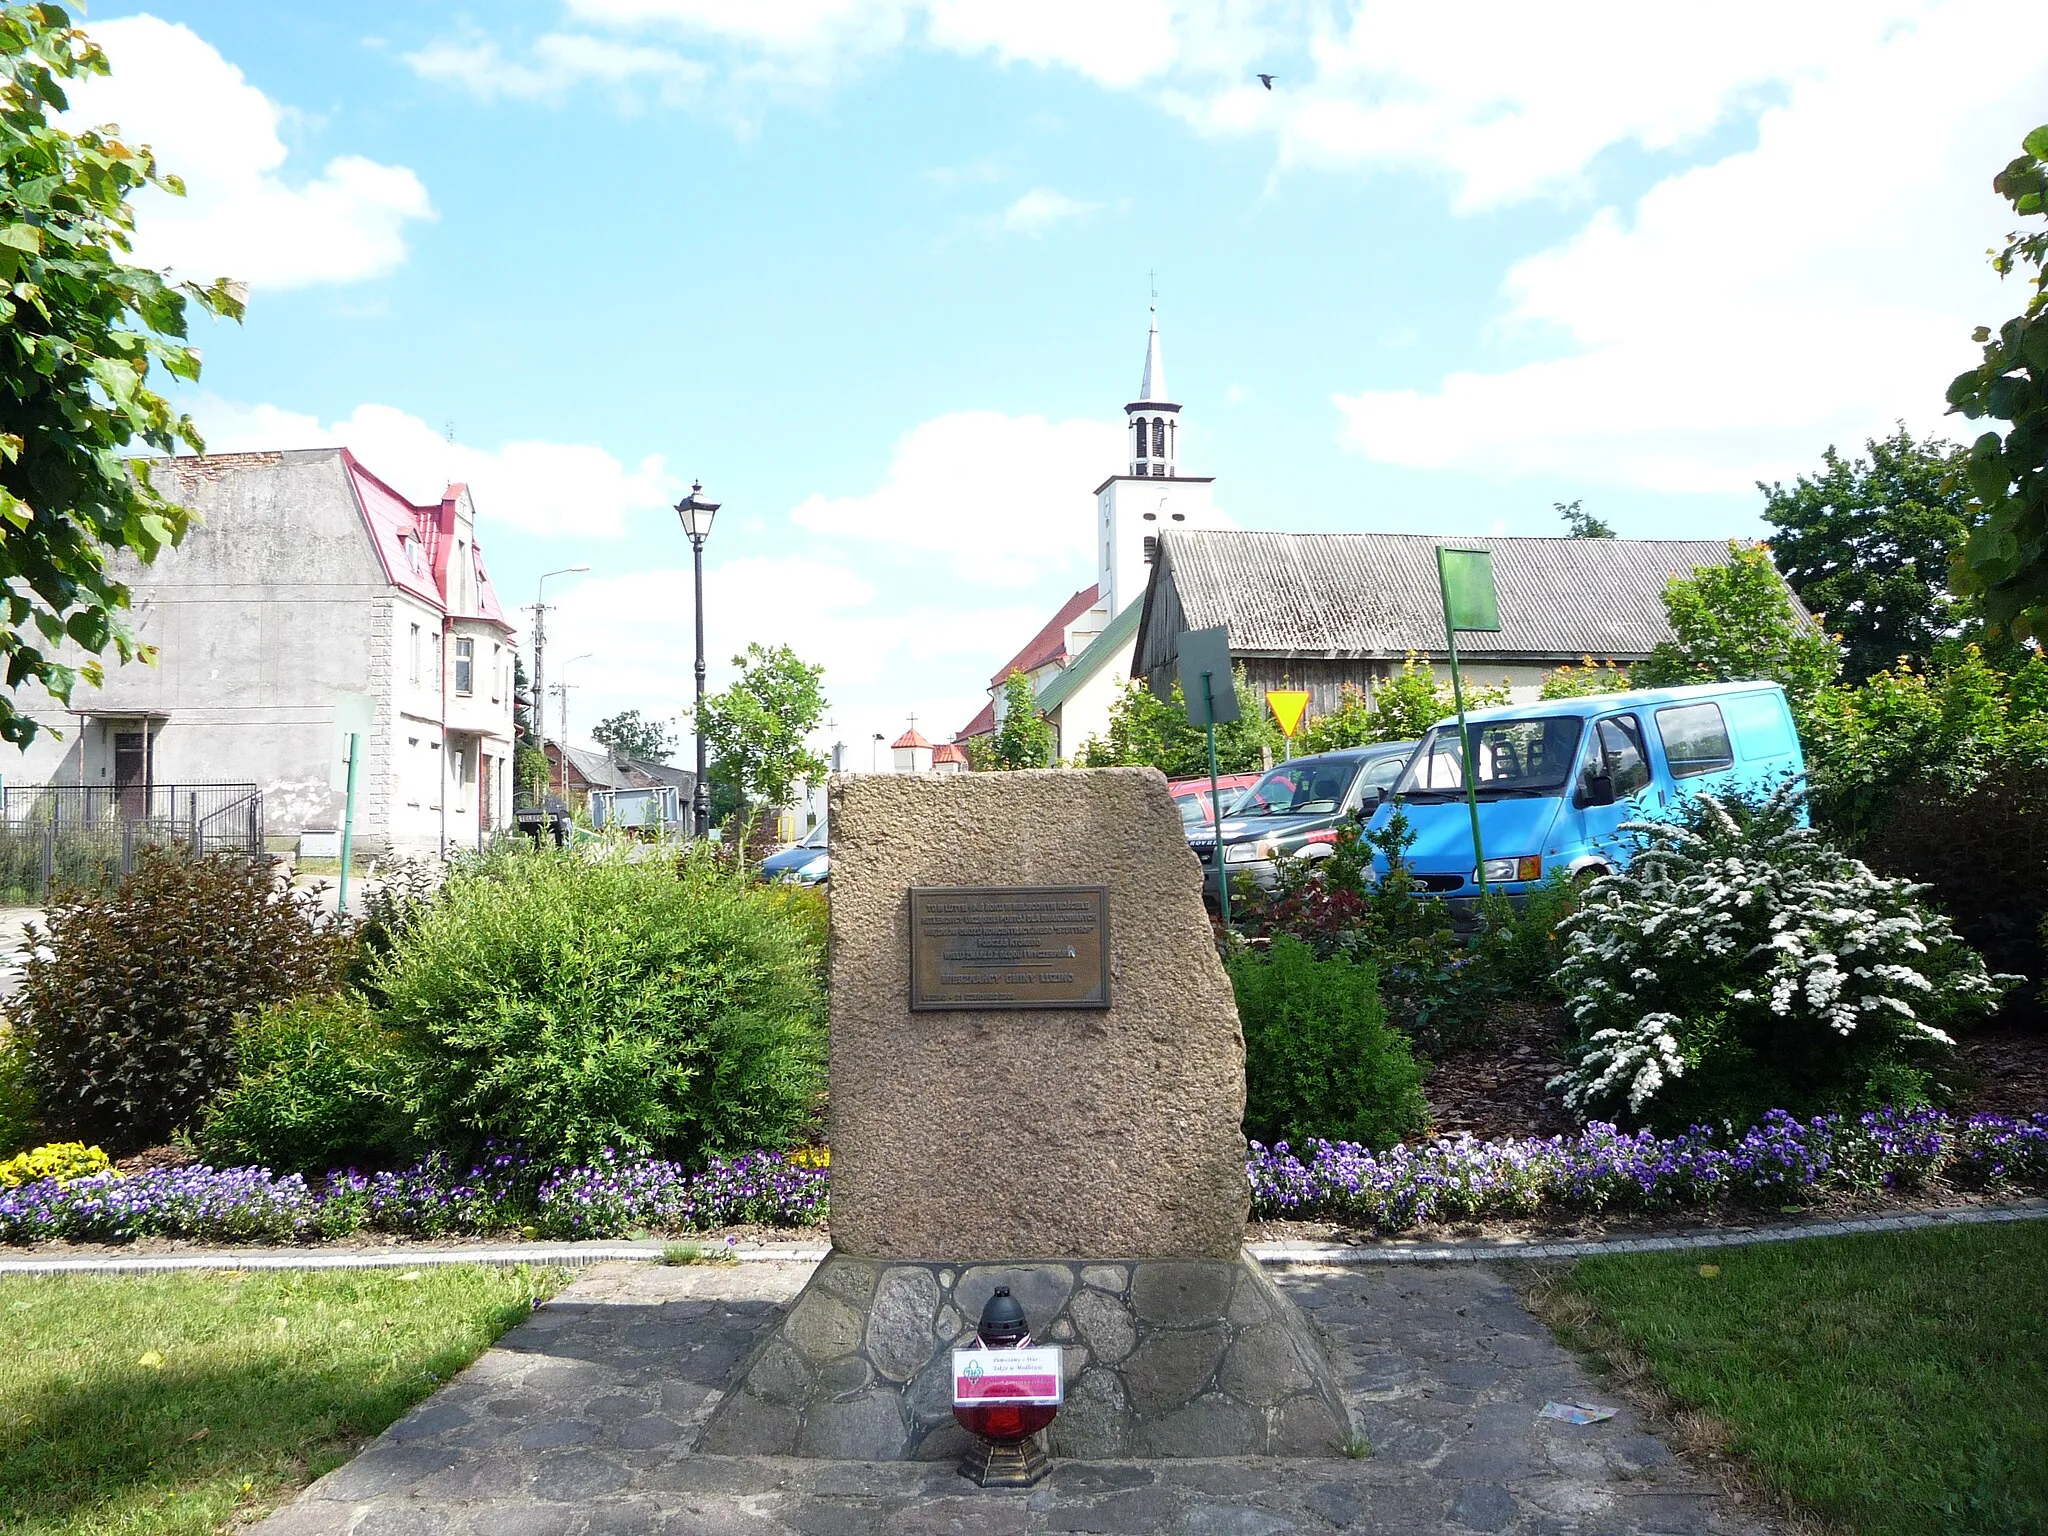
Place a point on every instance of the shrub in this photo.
(1741, 964)
(18, 1119)
(319, 1085)
(60, 1160)
(389, 909)
(579, 1004)
(1319, 1057)
(129, 998)
(1401, 708)
(1983, 853)
(1442, 990)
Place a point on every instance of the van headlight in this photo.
(1529, 868)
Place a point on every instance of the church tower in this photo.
(1132, 510)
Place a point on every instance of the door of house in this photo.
(131, 773)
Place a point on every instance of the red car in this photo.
(1191, 796)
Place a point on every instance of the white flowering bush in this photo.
(1742, 964)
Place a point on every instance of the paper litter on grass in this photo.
(1576, 1413)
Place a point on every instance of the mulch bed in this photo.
(1498, 1091)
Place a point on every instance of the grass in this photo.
(169, 1404)
(1891, 1384)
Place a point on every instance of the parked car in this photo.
(803, 862)
(1191, 796)
(1294, 809)
(1557, 780)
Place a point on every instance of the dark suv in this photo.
(1295, 809)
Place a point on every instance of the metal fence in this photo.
(58, 835)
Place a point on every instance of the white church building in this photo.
(1082, 657)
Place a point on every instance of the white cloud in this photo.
(889, 647)
(557, 63)
(536, 487)
(1042, 209)
(1746, 313)
(242, 217)
(1118, 44)
(1003, 500)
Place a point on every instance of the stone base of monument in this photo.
(1164, 1357)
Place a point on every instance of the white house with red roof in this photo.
(307, 596)
(1082, 656)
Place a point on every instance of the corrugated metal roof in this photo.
(1374, 595)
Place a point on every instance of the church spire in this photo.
(1153, 390)
(1155, 423)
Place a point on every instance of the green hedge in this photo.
(1320, 1058)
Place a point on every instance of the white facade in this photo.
(307, 596)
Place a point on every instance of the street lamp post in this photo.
(562, 688)
(697, 513)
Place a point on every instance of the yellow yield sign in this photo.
(1288, 706)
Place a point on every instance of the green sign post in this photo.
(1210, 692)
(1465, 580)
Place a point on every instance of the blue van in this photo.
(1557, 779)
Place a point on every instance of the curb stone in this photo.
(1393, 1251)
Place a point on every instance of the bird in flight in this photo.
(1266, 81)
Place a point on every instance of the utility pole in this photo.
(540, 642)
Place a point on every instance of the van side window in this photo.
(1695, 739)
(1618, 753)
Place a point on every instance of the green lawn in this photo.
(1896, 1383)
(170, 1403)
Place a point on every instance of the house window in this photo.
(465, 667)
(459, 767)
(412, 747)
(497, 673)
(415, 655)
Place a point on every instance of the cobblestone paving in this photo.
(579, 1423)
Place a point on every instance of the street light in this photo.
(563, 689)
(697, 513)
(540, 641)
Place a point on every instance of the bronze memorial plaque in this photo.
(1009, 946)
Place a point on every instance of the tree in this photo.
(82, 330)
(1583, 681)
(754, 730)
(1868, 544)
(1399, 709)
(2005, 562)
(1146, 731)
(1735, 622)
(1581, 524)
(632, 734)
(1023, 736)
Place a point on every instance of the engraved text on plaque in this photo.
(1009, 946)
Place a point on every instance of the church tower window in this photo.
(1159, 437)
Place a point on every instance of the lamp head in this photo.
(696, 510)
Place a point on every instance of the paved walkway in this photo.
(580, 1421)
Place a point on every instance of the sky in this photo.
(877, 273)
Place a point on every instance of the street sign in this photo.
(354, 715)
(1006, 1375)
(1465, 578)
(1469, 601)
(1288, 706)
(1206, 681)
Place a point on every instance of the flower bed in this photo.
(1600, 1169)
(1604, 1169)
(506, 1192)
